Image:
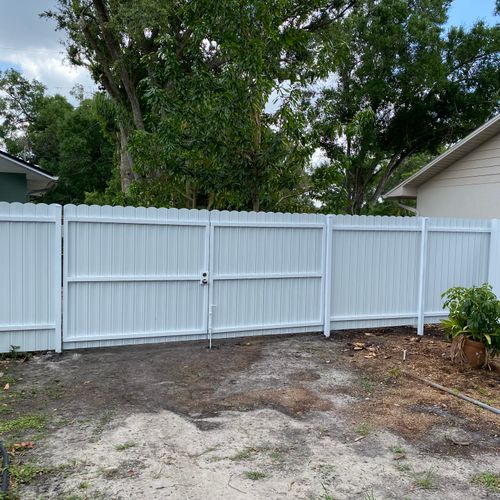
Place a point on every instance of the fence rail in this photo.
(145, 275)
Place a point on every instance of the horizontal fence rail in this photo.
(89, 276)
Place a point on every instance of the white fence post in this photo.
(58, 280)
(328, 275)
(494, 258)
(421, 278)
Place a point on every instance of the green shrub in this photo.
(474, 313)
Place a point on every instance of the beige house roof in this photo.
(408, 188)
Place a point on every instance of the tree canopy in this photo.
(222, 104)
(191, 81)
(402, 87)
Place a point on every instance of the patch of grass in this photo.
(245, 454)
(12, 354)
(489, 480)
(425, 480)
(402, 467)
(125, 446)
(102, 422)
(276, 455)
(482, 391)
(5, 408)
(54, 392)
(369, 496)
(394, 372)
(26, 422)
(362, 429)
(7, 379)
(254, 475)
(326, 495)
(366, 385)
(398, 450)
(25, 473)
(83, 485)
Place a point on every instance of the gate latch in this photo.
(204, 279)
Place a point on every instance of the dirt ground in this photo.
(284, 417)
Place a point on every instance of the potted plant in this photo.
(473, 324)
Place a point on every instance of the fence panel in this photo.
(388, 271)
(30, 277)
(457, 255)
(267, 273)
(134, 275)
(374, 271)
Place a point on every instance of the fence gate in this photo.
(134, 275)
(266, 273)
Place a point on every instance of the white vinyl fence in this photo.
(30, 277)
(137, 275)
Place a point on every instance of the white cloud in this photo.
(52, 69)
(32, 45)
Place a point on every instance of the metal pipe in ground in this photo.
(453, 393)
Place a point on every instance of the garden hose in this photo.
(5, 469)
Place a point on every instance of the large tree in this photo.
(403, 86)
(191, 81)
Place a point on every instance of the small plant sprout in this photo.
(362, 429)
(254, 475)
(425, 480)
(366, 385)
(245, 454)
(125, 446)
(402, 467)
(395, 372)
(398, 450)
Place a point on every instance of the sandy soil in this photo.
(289, 417)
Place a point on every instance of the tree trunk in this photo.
(256, 160)
(127, 174)
(255, 199)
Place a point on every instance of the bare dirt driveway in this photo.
(288, 417)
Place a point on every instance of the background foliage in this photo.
(223, 104)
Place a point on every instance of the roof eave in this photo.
(401, 191)
(408, 188)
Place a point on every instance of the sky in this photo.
(32, 46)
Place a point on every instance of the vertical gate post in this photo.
(58, 280)
(210, 246)
(421, 277)
(328, 276)
(494, 258)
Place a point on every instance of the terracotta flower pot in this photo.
(468, 351)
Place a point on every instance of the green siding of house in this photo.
(13, 187)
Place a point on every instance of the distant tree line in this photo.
(223, 104)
